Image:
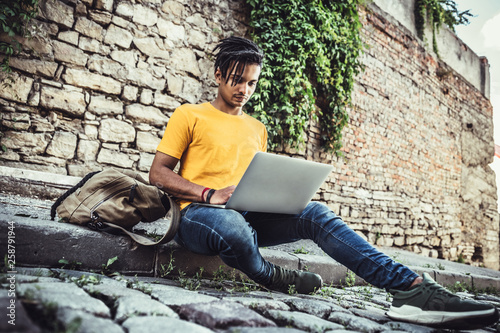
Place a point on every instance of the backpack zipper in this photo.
(95, 218)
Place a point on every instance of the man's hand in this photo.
(162, 176)
(221, 196)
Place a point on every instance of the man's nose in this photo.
(244, 88)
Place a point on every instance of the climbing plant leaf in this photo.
(312, 49)
(437, 13)
(14, 17)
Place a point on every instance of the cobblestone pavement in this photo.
(64, 300)
(60, 300)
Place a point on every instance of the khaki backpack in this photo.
(117, 200)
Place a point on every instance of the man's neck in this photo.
(224, 107)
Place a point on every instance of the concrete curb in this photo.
(42, 243)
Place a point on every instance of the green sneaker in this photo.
(430, 304)
(304, 282)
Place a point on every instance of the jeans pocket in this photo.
(186, 209)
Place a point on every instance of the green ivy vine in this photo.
(14, 17)
(437, 13)
(312, 49)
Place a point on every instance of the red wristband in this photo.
(203, 193)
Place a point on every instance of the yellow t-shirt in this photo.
(214, 148)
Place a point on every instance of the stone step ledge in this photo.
(42, 243)
(31, 183)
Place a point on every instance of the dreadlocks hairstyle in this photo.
(236, 52)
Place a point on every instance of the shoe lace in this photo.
(283, 277)
(440, 291)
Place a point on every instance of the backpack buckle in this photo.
(95, 223)
(96, 226)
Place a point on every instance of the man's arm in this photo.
(162, 176)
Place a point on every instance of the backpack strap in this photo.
(68, 193)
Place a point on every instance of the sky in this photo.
(482, 36)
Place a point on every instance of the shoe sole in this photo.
(442, 319)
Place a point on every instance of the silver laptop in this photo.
(277, 184)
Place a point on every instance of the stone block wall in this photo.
(97, 83)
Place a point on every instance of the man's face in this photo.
(237, 91)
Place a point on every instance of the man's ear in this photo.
(218, 76)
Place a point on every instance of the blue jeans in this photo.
(232, 235)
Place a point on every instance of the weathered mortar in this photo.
(109, 74)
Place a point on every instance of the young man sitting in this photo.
(215, 142)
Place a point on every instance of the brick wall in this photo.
(97, 83)
(420, 138)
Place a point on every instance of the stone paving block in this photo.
(351, 301)
(131, 306)
(352, 322)
(109, 293)
(44, 243)
(378, 297)
(63, 295)
(348, 297)
(103, 280)
(152, 324)
(175, 296)
(35, 271)
(372, 313)
(21, 278)
(14, 316)
(131, 280)
(258, 304)
(266, 330)
(223, 314)
(268, 294)
(83, 322)
(302, 321)
(406, 327)
(314, 306)
(492, 299)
